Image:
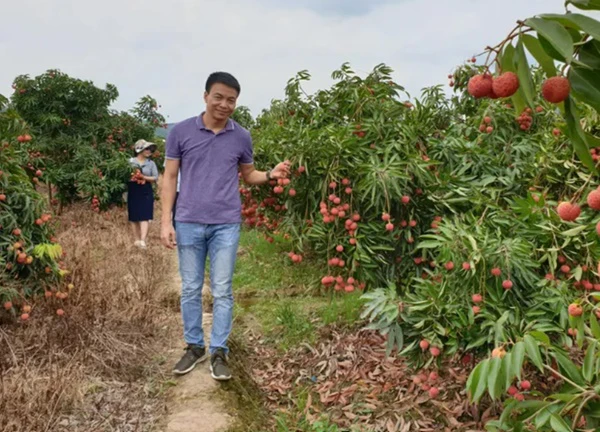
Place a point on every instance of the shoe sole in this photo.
(188, 370)
(219, 378)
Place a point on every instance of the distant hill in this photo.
(161, 132)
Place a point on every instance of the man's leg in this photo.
(223, 242)
(192, 249)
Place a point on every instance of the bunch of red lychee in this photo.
(554, 90)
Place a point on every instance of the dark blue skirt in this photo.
(140, 202)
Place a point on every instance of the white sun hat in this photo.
(141, 145)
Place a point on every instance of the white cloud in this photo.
(167, 49)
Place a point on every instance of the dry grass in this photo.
(97, 367)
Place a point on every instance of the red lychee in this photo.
(593, 199)
(480, 86)
(505, 85)
(575, 310)
(567, 211)
(556, 89)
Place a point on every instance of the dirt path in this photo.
(193, 403)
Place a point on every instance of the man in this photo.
(209, 150)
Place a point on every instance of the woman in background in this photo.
(140, 196)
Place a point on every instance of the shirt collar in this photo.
(200, 123)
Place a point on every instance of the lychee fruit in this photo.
(424, 344)
(505, 85)
(507, 284)
(477, 298)
(496, 271)
(449, 265)
(556, 89)
(480, 86)
(567, 211)
(525, 385)
(498, 352)
(434, 392)
(512, 390)
(489, 129)
(593, 199)
(575, 310)
(466, 266)
(476, 310)
(435, 351)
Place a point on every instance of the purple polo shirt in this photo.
(209, 192)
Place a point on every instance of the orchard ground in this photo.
(297, 352)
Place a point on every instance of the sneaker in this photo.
(218, 365)
(137, 243)
(143, 244)
(194, 354)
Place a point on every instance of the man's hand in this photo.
(282, 170)
(167, 235)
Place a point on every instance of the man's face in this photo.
(220, 101)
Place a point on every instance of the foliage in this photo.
(82, 145)
(29, 254)
(243, 116)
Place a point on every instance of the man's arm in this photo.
(169, 189)
(252, 176)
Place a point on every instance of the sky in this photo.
(167, 49)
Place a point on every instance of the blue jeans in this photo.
(194, 243)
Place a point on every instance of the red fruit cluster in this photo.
(138, 177)
(568, 211)
(348, 285)
(525, 120)
(426, 382)
(95, 204)
(295, 257)
(358, 131)
(24, 138)
(505, 85)
(556, 89)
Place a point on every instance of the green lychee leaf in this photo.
(585, 85)
(524, 74)
(589, 361)
(585, 4)
(556, 34)
(533, 352)
(575, 133)
(589, 54)
(534, 46)
(579, 22)
(518, 357)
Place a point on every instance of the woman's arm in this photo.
(153, 177)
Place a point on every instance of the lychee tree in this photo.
(81, 145)
(567, 48)
(29, 254)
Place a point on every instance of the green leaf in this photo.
(541, 337)
(518, 357)
(569, 369)
(542, 418)
(556, 34)
(533, 352)
(558, 424)
(482, 382)
(577, 21)
(592, 141)
(575, 133)
(589, 54)
(585, 84)
(547, 46)
(594, 326)
(495, 378)
(585, 4)
(524, 74)
(588, 362)
(574, 231)
(508, 65)
(534, 46)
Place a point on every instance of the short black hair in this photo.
(222, 78)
